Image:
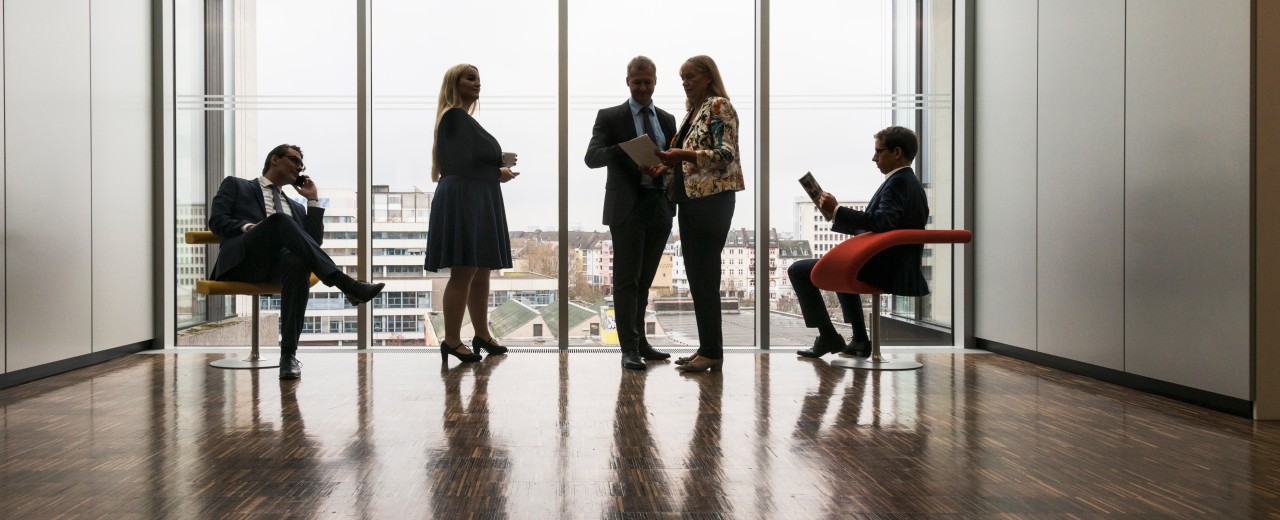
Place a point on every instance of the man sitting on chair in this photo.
(899, 203)
(267, 238)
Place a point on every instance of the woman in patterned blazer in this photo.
(703, 173)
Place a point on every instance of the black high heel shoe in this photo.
(446, 351)
(488, 347)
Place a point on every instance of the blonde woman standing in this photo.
(704, 172)
(467, 233)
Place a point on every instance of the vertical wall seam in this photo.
(1254, 195)
(91, 328)
(4, 133)
(1124, 195)
(1039, 343)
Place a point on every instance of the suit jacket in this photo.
(713, 136)
(239, 202)
(899, 203)
(616, 125)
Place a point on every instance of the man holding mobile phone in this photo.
(636, 208)
(268, 238)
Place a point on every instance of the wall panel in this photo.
(3, 356)
(47, 182)
(1005, 172)
(121, 132)
(1187, 193)
(1080, 172)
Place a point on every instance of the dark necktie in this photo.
(275, 198)
(647, 121)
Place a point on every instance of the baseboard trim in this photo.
(1210, 400)
(28, 375)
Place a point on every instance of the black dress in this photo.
(468, 220)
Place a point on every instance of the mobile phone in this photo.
(301, 181)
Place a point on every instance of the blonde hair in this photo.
(705, 65)
(449, 98)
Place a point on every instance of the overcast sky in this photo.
(831, 75)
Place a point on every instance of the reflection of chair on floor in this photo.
(221, 288)
(837, 271)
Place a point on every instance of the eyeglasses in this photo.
(296, 160)
(881, 150)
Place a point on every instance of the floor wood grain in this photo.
(548, 435)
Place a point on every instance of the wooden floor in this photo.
(549, 435)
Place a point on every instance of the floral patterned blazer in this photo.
(713, 135)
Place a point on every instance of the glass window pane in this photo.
(517, 106)
(937, 157)
(816, 107)
(839, 109)
(282, 72)
(597, 79)
(191, 261)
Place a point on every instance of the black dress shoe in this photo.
(859, 348)
(632, 360)
(648, 352)
(823, 345)
(359, 292)
(290, 368)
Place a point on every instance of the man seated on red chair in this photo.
(267, 238)
(899, 203)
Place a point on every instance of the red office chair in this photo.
(837, 271)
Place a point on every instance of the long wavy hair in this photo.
(449, 98)
(705, 65)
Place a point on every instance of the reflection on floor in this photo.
(547, 435)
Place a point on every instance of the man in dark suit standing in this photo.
(267, 238)
(636, 208)
(899, 203)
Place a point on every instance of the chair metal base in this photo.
(254, 360)
(883, 364)
(876, 361)
(244, 363)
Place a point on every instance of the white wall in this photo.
(1187, 198)
(121, 117)
(1005, 189)
(77, 191)
(1133, 212)
(48, 181)
(1080, 172)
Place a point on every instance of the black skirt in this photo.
(468, 225)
